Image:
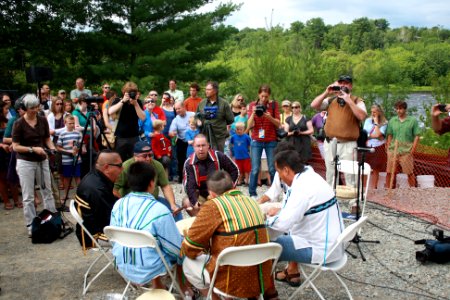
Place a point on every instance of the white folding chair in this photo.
(133, 238)
(345, 237)
(350, 193)
(244, 256)
(98, 248)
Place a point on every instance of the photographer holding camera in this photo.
(345, 113)
(129, 111)
(263, 121)
(215, 114)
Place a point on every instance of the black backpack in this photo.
(46, 227)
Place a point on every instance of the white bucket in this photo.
(425, 181)
(381, 180)
(402, 181)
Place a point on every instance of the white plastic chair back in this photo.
(244, 256)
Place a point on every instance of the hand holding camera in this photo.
(437, 109)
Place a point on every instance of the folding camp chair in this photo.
(244, 256)
(345, 237)
(98, 248)
(133, 238)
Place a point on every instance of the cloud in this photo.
(262, 13)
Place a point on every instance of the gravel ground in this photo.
(55, 271)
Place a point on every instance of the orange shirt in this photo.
(191, 103)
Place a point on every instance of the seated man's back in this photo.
(231, 219)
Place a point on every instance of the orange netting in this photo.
(429, 199)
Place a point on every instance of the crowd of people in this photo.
(210, 146)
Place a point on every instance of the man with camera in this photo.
(345, 112)
(129, 111)
(215, 114)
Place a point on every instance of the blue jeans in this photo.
(167, 204)
(255, 153)
(289, 253)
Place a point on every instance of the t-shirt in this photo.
(67, 140)
(191, 104)
(240, 146)
(404, 132)
(161, 180)
(127, 126)
(76, 93)
(369, 127)
(28, 136)
(181, 124)
(170, 115)
(190, 135)
(161, 145)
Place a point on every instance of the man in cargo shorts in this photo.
(402, 139)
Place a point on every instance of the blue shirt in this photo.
(190, 135)
(141, 211)
(170, 115)
(181, 124)
(369, 127)
(147, 124)
(240, 146)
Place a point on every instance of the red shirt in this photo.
(191, 103)
(161, 145)
(263, 130)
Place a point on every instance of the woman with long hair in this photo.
(235, 105)
(299, 129)
(31, 138)
(56, 118)
(376, 126)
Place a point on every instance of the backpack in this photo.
(437, 251)
(46, 227)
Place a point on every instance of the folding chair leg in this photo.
(126, 289)
(308, 281)
(344, 285)
(86, 287)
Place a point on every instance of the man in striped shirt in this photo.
(229, 219)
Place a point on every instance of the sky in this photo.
(263, 13)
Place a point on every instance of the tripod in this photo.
(90, 121)
(360, 198)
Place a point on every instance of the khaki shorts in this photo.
(406, 162)
(195, 271)
(264, 165)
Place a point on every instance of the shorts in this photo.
(195, 271)
(244, 165)
(264, 165)
(377, 160)
(67, 171)
(406, 162)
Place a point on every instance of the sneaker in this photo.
(29, 230)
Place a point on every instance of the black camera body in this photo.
(346, 90)
(442, 108)
(260, 109)
(209, 113)
(132, 94)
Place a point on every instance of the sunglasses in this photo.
(295, 106)
(240, 99)
(119, 165)
(150, 101)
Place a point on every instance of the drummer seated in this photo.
(140, 210)
(216, 228)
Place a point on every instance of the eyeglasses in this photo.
(150, 101)
(119, 165)
(107, 87)
(295, 106)
(145, 155)
(154, 95)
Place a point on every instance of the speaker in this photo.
(39, 74)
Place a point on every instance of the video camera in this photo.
(209, 113)
(260, 109)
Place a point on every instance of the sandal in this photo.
(18, 204)
(8, 206)
(288, 278)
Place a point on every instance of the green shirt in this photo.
(161, 180)
(404, 132)
(224, 117)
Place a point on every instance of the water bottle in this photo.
(187, 296)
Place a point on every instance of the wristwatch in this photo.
(30, 150)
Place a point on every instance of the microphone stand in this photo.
(360, 198)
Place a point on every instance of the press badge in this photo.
(261, 133)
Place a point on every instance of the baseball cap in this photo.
(346, 78)
(139, 147)
(61, 91)
(286, 102)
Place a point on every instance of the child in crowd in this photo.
(68, 144)
(161, 145)
(240, 149)
(191, 132)
(240, 118)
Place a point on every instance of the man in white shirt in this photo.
(75, 94)
(176, 94)
(309, 214)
